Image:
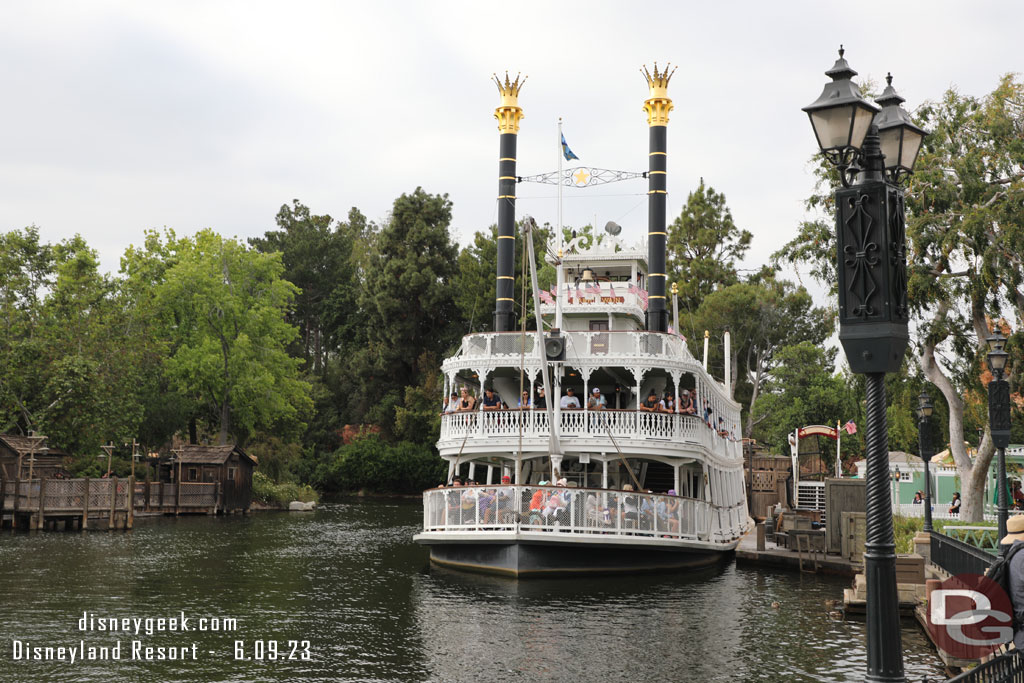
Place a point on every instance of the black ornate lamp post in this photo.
(924, 413)
(873, 314)
(999, 417)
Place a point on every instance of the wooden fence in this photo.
(36, 502)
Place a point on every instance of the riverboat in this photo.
(566, 490)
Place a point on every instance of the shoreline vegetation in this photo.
(906, 528)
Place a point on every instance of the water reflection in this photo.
(348, 579)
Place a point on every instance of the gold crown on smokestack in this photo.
(510, 88)
(659, 104)
(509, 113)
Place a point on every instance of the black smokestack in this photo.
(508, 115)
(657, 106)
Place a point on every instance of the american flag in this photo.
(545, 297)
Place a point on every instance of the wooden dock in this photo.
(98, 503)
(785, 558)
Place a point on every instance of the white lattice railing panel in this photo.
(574, 510)
(626, 424)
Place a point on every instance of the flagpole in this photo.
(559, 269)
(839, 443)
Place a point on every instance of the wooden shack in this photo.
(768, 483)
(228, 465)
(43, 461)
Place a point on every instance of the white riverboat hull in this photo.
(539, 554)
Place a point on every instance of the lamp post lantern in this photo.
(873, 313)
(896, 483)
(999, 418)
(924, 413)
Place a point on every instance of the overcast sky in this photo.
(122, 116)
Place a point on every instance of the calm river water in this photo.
(348, 580)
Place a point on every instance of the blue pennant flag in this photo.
(569, 156)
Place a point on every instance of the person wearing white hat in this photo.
(1014, 536)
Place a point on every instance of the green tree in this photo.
(26, 273)
(762, 316)
(408, 301)
(317, 256)
(704, 246)
(226, 305)
(803, 390)
(84, 362)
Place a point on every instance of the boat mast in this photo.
(559, 269)
(554, 445)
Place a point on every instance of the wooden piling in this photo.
(113, 502)
(42, 505)
(85, 506)
(129, 515)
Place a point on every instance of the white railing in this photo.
(624, 343)
(627, 424)
(579, 511)
(939, 511)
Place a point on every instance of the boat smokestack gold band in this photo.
(508, 116)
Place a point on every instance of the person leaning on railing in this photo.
(491, 400)
(569, 401)
(686, 405)
(466, 402)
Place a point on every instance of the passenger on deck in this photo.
(686, 405)
(469, 500)
(541, 402)
(505, 505)
(552, 507)
(597, 401)
(569, 401)
(651, 404)
(537, 504)
(647, 511)
(668, 403)
(491, 400)
(466, 402)
(486, 506)
(454, 502)
(629, 507)
(668, 513)
(524, 401)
